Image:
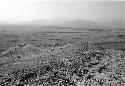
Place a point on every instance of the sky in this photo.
(26, 10)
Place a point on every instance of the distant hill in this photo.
(71, 23)
(114, 24)
(81, 23)
(92, 24)
(43, 22)
(3, 22)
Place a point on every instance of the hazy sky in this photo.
(90, 10)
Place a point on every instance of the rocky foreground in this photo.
(67, 65)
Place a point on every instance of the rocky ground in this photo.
(66, 65)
